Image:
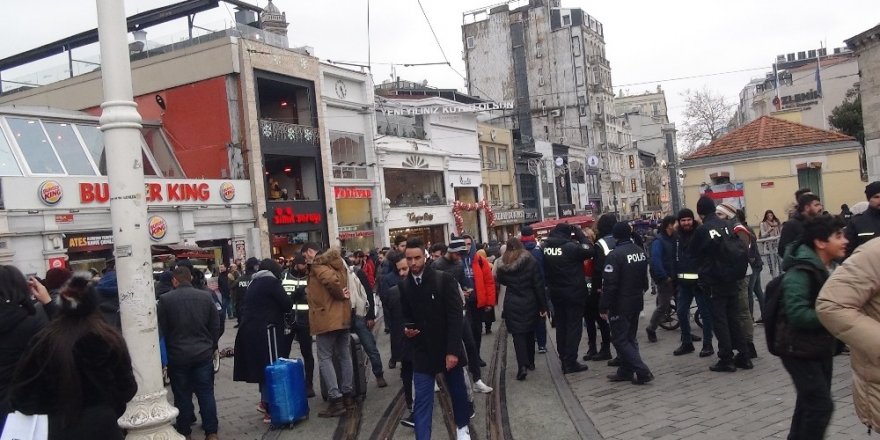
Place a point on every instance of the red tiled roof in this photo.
(767, 133)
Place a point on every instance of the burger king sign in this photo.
(227, 191)
(50, 192)
(158, 227)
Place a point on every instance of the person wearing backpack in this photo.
(746, 323)
(805, 347)
(722, 263)
(808, 205)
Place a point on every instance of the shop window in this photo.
(404, 125)
(502, 159)
(489, 158)
(348, 155)
(281, 101)
(69, 149)
(292, 178)
(406, 188)
(94, 140)
(506, 194)
(35, 147)
(8, 164)
(494, 193)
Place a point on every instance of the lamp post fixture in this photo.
(148, 415)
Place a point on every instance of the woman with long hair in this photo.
(524, 301)
(77, 370)
(19, 322)
(769, 225)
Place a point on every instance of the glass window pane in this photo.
(69, 149)
(405, 188)
(165, 160)
(34, 146)
(8, 164)
(94, 140)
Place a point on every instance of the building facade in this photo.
(760, 165)
(550, 62)
(499, 182)
(867, 48)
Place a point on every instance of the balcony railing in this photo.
(285, 132)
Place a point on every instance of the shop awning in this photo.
(183, 251)
(582, 220)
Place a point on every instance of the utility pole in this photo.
(672, 167)
(148, 415)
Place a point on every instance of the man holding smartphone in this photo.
(432, 310)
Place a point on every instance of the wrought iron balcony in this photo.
(285, 132)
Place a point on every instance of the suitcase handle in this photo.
(272, 337)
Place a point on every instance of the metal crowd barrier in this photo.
(767, 247)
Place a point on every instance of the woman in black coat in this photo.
(524, 301)
(265, 303)
(77, 371)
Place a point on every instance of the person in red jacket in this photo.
(480, 291)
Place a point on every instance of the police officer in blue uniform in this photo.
(565, 250)
(294, 282)
(625, 279)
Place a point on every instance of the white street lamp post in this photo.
(148, 415)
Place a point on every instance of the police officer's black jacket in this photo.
(862, 228)
(686, 263)
(564, 268)
(294, 283)
(604, 246)
(705, 245)
(792, 230)
(625, 279)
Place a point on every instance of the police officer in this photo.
(718, 282)
(865, 226)
(625, 279)
(294, 282)
(564, 267)
(604, 245)
(241, 284)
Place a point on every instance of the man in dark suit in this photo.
(432, 314)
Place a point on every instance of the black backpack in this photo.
(733, 258)
(776, 326)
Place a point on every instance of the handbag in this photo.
(24, 427)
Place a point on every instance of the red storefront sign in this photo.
(57, 263)
(286, 216)
(355, 234)
(64, 218)
(90, 192)
(343, 192)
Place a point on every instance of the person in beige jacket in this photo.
(329, 320)
(849, 307)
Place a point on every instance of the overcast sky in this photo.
(646, 40)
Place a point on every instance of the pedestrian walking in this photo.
(191, 327)
(265, 304)
(865, 226)
(400, 345)
(77, 370)
(689, 290)
(625, 279)
(563, 266)
(524, 301)
(804, 346)
(432, 312)
(849, 307)
(329, 321)
(722, 260)
(662, 272)
(363, 319)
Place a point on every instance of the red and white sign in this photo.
(158, 227)
(355, 234)
(57, 262)
(63, 219)
(765, 185)
(345, 192)
(50, 192)
(286, 216)
(80, 193)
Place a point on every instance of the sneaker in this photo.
(707, 351)
(542, 350)
(463, 434)
(409, 421)
(266, 418)
(481, 387)
(683, 349)
(652, 335)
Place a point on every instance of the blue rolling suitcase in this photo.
(285, 387)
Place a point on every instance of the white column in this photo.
(148, 415)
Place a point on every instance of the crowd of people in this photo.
(62, 353)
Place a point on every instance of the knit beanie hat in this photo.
(726, 211)
(705, 206)
(527, 231)
(872, 188)
(621, 231)
(685, 213)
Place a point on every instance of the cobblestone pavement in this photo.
(687, 401)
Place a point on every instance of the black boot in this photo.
(707, 350)
(724, 365)
(614, 362)
(604, 354)
(753, 353)
(741, 360)
(590, 352)
(684, 349)
(574, 367)
(521, 374)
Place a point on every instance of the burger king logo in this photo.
(227, 191)
(50, 192)
(158, 227)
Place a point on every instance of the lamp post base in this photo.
(150, 417)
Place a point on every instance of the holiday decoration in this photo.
(457, 207)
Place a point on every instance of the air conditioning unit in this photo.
(556, 113)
